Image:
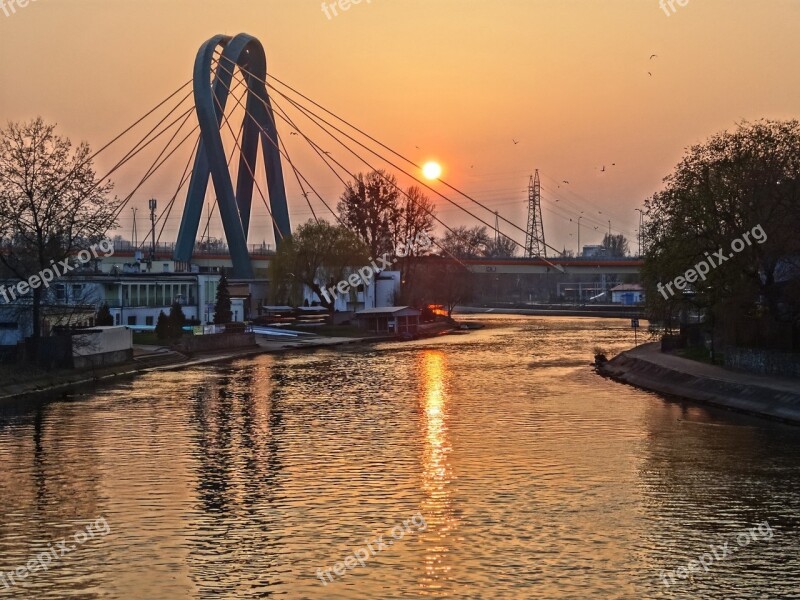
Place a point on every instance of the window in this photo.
(132, 320)
(61, 291)
(148, 320)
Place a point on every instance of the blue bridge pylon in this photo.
(210, 97)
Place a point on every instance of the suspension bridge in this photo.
(232, 99)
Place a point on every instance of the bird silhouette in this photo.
(292, 133)
(565, 181)
(603, 169)
(649, 73)
(328, 153)
(515, 141)
(652, 56)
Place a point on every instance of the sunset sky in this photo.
(454, 81)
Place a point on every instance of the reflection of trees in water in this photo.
(706, 477)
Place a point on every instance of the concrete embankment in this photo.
(600, 312)
(152, 358)
(647, 367)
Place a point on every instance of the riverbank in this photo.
(605, 312)
(647, 367)
(154, 358)
(158, 358)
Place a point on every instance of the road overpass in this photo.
(570, 266)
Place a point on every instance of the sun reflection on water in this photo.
(437, 474)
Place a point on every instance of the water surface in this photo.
(534, 478)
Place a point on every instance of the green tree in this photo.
(317, 255)
(222, 308)
(104, 317)
(52, 205)
(721, 190)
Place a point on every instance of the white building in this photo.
(380, 291)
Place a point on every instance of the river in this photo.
(518, 472)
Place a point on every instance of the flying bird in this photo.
(649, 73)
(603, 169)
(652, 56)
(565, 181)
(292, 133)
(515, 141)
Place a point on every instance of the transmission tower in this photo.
(534, 238)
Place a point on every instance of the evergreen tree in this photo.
(222, 309)
(162, 327)
(104, 317)
(176, 321)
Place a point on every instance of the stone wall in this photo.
(215, 342)
(762, 362)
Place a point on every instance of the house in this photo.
(397, 320)
(627, 294)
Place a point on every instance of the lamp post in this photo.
(152, 203)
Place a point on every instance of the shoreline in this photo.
(68, 381)
(599, 313)
(646, 367)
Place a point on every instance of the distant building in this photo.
(627, 294)
(593, 251)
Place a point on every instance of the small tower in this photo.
(534, 238)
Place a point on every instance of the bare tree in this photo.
(464, 242)
(52, 205)
(370, 207)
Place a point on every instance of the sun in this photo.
(432, 170)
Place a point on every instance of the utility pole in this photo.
(578, 255)
(153, 203)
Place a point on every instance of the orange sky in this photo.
(459, 79)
